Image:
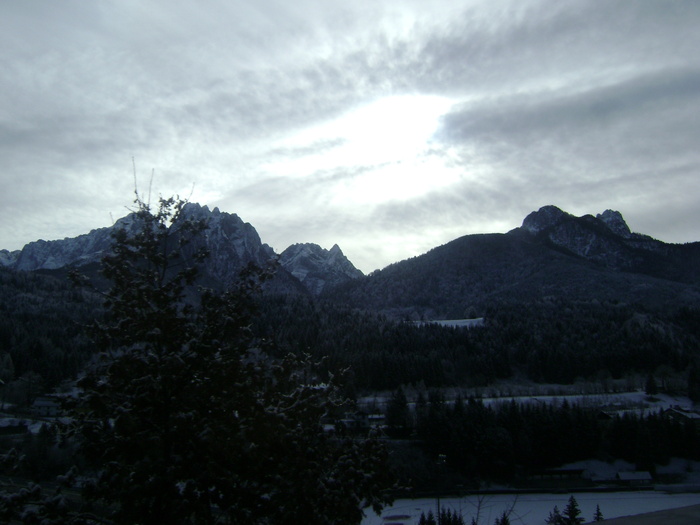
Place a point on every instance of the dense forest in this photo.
(43, 340)
(506, 441)
(553, 341)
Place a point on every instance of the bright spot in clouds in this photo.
(380, 151)
(391, 128)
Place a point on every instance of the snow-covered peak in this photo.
(231, 242)
(8, 258)
(86, 248)
(317, 267)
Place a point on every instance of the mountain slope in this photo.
(553, 255)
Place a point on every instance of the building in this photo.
(640, 478)
(46, 406)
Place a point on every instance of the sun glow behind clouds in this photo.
(391, 129)
(381, 148)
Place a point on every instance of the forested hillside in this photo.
(475, 272)
(42, 330)
(554, 341)
(43, 340)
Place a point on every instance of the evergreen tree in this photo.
(555, 517)
(598, 516)
(503, 519)
(449, 517)
(650, 386)
(187, 420)
(398, 416)
(572, 512)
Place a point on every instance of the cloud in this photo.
(586, 105)
(594, 135)
(551, 112)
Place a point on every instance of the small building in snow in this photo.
(637, 478)
(677, 413)
(361, 421)
(46, 406)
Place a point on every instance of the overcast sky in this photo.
(386, 127)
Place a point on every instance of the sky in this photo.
(386, 127)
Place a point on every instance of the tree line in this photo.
(506, 441)
(552, 341)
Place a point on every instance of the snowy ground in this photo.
(455, 323)
(533, 509)
(33, 425)
(636, 401)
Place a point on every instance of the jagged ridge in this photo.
(605, 238)
(232, 244)
(318, 268)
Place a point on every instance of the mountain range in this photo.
(232, 244)
(552, 254)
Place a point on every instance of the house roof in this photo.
(682, 413)
(46, 402)
(641, 475)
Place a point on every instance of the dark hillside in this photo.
(42, 329)
(554, 341)
(469, 274)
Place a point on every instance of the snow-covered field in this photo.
(455, 323)
(636, 401)
(533, 509)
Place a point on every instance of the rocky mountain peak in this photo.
(316, 267)
(8, 258)
(231, 242)
(84, 249)
(551, 217)
(614, 221)
(195, 210)
(605, 238)
(545, 217)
